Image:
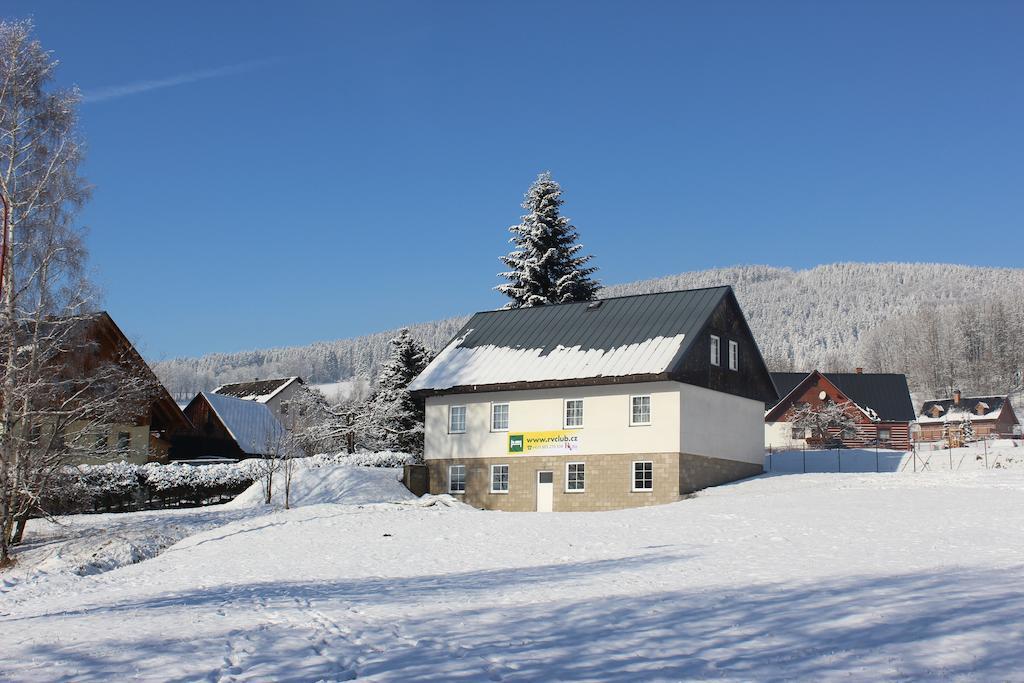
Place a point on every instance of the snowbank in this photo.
(315, 482)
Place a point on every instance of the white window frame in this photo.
(633, 423)
(716, 350)
(888, 432)
(507, 413)
(734, 355)
(565, 413)
(632, 475)
(451, 480)
(567, 466)
(508, 481)
(451, 412)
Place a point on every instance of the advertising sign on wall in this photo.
(555, 442)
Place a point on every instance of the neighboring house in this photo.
(229, 427)
(614, 403)
(989, 416)
(881, 407)
(274, 393)
(148, 437)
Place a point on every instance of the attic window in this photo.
(981, 408)
(594, 305)
(936, 411)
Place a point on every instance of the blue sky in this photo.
(277, 173)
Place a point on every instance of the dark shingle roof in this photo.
(885, 393)
(257, 390)
(643, 334)
(967, 403)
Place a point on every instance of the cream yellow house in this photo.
(597, 405)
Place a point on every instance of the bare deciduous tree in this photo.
(57, 392)
(821, 420)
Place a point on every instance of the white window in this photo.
(456, 419)
(499, 417)
(716, 350)
(575, 476)
(884, 434)
(734, 355)
(457, 479)
(639, 410)
(499, 478)
(574, 412)
(643, 476)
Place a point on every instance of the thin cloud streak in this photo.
(116, 91)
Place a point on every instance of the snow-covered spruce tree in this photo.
(545, 265)
(967, 428)
(58, 392)
(395, 418)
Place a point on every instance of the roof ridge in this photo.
(609, 298)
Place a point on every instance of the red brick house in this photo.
(881, 407)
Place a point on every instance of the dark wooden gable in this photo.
(751, 380)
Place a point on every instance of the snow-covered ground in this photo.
(813, 577)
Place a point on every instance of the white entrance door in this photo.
(545, 490)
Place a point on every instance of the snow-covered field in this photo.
(813, 577)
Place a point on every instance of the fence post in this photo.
(985, 442)
(804, 454)
(876, 457)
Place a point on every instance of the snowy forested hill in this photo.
(831, 317)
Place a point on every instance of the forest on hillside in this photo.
(945, 326)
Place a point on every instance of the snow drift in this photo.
(314, 483)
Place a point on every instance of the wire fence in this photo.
(926, 457)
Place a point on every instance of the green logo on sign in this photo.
(515, 443)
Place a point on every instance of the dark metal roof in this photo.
(613, 323)
(644, 335)
(885, 393)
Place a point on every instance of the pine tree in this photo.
(397, 417)
(545, 266)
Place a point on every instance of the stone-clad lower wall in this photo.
(609, 480)
(697, 472)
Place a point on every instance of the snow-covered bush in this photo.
(378, 459)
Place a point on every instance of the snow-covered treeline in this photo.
(976, 347)
(814, 318)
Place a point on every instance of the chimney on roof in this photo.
(859, 371)
(956, 397)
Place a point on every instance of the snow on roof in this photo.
(949, 411)
(460, 366)
(252, 425)
(260, 391)
(646, 334)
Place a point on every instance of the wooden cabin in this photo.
(882, 408)
(989, 416)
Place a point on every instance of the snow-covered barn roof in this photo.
(260, 390)
(886, 395)
(641, 337)
(950, 411)
(252, 425)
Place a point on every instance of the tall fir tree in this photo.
(545, 265)
(399, 417)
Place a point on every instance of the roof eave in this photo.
(545, 384)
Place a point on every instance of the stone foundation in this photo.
(609, 480)
(698, 472)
